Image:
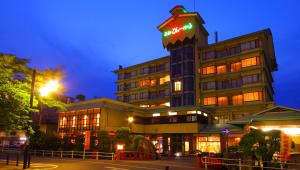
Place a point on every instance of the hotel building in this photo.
(193, 99)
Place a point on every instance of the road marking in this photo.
(129, 166)
(114, 168)
(42, 166)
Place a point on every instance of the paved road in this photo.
(77, 164)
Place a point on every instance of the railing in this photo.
(10, 156)
(73, 154)
(219, 163)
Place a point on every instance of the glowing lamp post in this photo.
(120, 147)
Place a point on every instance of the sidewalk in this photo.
(10, 167)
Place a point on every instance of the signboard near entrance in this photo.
(285, 147)
(112, 133)
(87, 140)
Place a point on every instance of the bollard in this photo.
(52, 154)
(72, 154)
(43, 153)
(97, 156)
(112, 156)
(61, 154)
(17, 161)
(240, 164)
(29, 158)
(83, 156)
(7, 158)
(205, 162)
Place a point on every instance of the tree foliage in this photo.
(104, 141)
(15, 86)
(260, 145)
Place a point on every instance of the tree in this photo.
(80, 97)
(123, 136)
(260, 145)
(15, 86)
(104, 141)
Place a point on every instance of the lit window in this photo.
(177, 86)
(152, 82)
(209, 70)
(84, 120)
(144, 83)
(209, 101)
(73, 121)
(221, 69)
(156, 114)
(253, 96)
(250, 62)
(237, 99)
(166, 104)
(164, 80)
(235, 67)
(172, 113)
(63, 122)
(222, 101)
(98, 120)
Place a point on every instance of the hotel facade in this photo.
(197, 98)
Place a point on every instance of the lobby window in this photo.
(209, 55)
(63, 122)
(251, 79)
(209, 70)
(85, 120)
(221, 69)
(208, 144)
(235, 67)
(209, 101)
(249, 45)
(250, 61)
(253, 96)
(222, 101)
(177, 86)
(164, 80)
(74, 121)
(237, 99)
(98, 119)
(144, 83)
(221, 119)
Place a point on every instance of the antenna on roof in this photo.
(194, 5)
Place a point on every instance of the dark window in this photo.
(176, 101)
(236, 83)
(209, 55)
(209, 85)
(176, 55)
(176, 69)
(120, 76)
(191, 118)
(188, 53)
(188, 99)
(188, 84)
(173, 119)
(126, 99)
(249, 45)
(235, 50)
(223, 85)
(251, 79)
(188, 68)
(221, 54)
(127, 75)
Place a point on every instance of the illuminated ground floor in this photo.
(182, 130)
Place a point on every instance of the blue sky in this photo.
(91, 38)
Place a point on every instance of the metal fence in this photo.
(239, 164)
(74, 154)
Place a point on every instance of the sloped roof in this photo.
(274, 113)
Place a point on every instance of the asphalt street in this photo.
(78, 164)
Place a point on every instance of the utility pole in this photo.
(26, 151)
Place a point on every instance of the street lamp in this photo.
(130, 120)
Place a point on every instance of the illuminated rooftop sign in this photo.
(176, 30)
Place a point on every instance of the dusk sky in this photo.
(91, 38)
